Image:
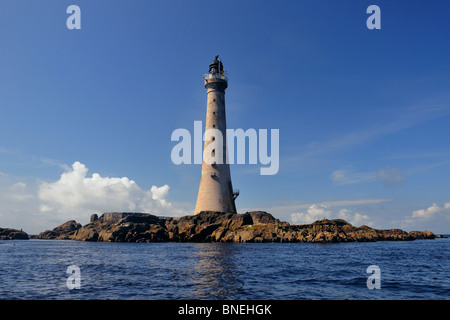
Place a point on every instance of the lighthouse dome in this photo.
(216, 66)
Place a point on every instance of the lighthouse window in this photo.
(213, 138)
(214, 100)
(214, 125)
(214, 112)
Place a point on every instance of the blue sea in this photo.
(37, 269)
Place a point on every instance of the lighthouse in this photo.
(215, 192)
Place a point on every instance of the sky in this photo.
(86, 115)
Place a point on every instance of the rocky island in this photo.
(254, 226)
(12, 234)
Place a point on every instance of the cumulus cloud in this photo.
(431, 212)
(320, 211)
(78, 195)
(355, 219)
(313, 213)
(160, 194)
(360, 219)
(37, 205)
(433, 216)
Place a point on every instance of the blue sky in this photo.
(86, 115)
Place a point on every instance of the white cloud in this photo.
(19, 186)
(429, 212)
(314, 213)
(300, 212)
(292, 207)
(37, 205)
(344, 214)
(76, 195)
(360, 219)
(320, 211)
(160, 194)
(434, 217)
(44, 208)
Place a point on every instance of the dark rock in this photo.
(422, 234)
(62, 232)
(124, 227)
(117, 216)
(94, 217)
(12, 234)
(210, 226)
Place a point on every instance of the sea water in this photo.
(38, 269)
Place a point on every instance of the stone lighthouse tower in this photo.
(216, 191)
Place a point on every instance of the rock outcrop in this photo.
(422, 234)
(125, 228)
(12, 234)
(255, 226)
(62, 232)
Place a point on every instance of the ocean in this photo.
(37, 270)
